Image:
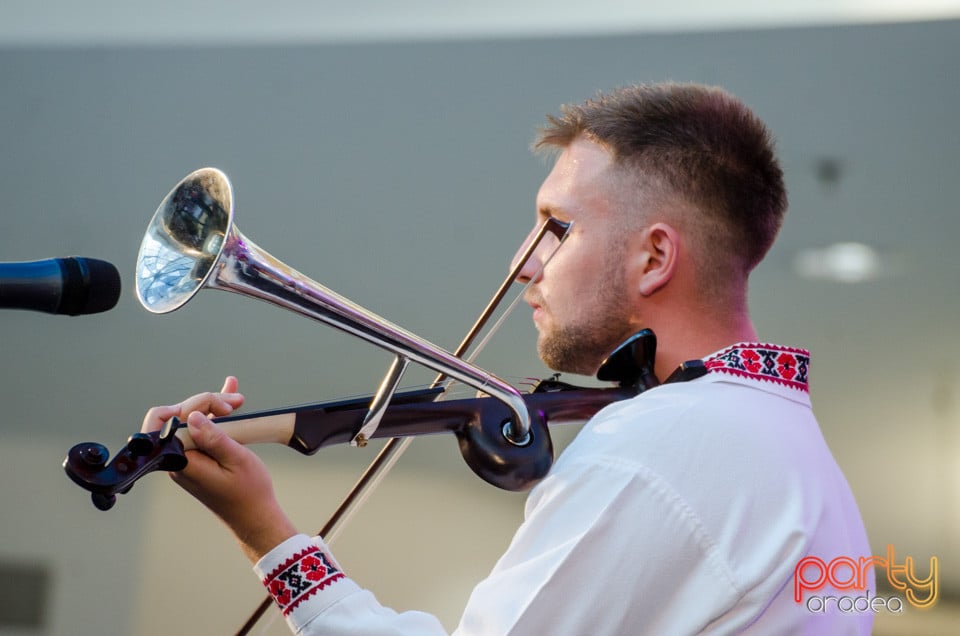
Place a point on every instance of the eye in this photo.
(549, 212)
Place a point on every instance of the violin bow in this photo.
(395, 447)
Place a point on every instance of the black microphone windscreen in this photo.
(91, 286)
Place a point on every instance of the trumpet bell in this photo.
(184, 240)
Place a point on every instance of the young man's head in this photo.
(675, 193)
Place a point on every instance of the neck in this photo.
(693, 337)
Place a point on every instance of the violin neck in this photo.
(254, 429)
(308, 427)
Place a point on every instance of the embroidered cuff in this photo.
(300, 569)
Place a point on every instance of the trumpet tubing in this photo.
(192, 243)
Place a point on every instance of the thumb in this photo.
(211, 439)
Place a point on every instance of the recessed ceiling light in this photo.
(842, 262)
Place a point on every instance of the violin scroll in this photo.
(88, 466)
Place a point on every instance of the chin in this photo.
(574, 350)
(564, 362)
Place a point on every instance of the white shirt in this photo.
(683, 510)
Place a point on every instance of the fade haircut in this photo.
(703, 145)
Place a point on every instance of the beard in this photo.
(580, 346)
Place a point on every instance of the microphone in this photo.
(71, 286)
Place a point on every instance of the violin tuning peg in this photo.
(92, 455)
(102, 501)
(528, 381)
(140, 445)
(170, 429)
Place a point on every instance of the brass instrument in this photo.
(192, 243)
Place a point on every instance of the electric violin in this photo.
(192, 243)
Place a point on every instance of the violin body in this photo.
(476, 422)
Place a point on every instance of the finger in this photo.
(211, 403)
(230, 394)
(157, 416)
(230, 384)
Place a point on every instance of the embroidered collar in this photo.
(770, 363)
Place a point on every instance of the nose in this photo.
(532, 267)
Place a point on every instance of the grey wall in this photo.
(399, 176)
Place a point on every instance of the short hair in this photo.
(702, 142)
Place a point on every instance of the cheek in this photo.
(585, 273)
(573, 287)
(578, 267)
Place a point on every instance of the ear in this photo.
(659, 257)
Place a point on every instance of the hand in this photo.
(226, 477)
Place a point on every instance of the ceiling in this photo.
(111, 22)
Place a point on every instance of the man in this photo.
(684, 510)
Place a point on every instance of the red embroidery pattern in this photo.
(771, 363)
(300, 577)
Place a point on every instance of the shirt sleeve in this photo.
(315, 596)
(604, 548)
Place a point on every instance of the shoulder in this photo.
(728, 475)
(717, 419)
(734, 463)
